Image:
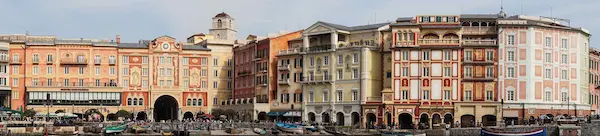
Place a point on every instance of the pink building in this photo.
(594, 81)
(244, 70)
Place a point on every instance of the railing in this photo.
(351, 45)
(73, 61)
(290, 51)
(283, 67)
(479, 42)
(97, 61)
(319, 48)
(479, 30)
(262, 71)
(438, 41)
(18, 60)
(243, 73)
(374, 98)
(283, 81)
(35, 60)
(317, 79)
(405, 43)
(112, 61)
(50, 61)
(73, 84)
(4, 59)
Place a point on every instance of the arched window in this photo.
(128, 101)
(194, 102)
(135, 101)
(199, 102)
(564, 95)
(189, 102)
(484, 24)
(548, 94)
(475, 24)
(141, 101)
(219, 23)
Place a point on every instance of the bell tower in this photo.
(223, 27)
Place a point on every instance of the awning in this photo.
(292, 114)
(510, 113)
(274, 113)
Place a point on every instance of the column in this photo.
(363, 74)
(332, 70)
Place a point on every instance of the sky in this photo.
(148, 19)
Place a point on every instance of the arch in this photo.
(325, 117)
(424, 121)
(141, 101)
(405, 121)
(199, 102)
(194, 102)
(467, 120)
(355, 118)
(262, 116)
(492, 24)
(141, 116)
(135, 102)
(188, 115)
(371, 119)
(165, 108)
(311, 117)
(436, 118)
(450, 36)
(111, 117)
(388, 117)
(431, 36)
(448, 119)
(189, 102)
(466, 24)
(219, 23)
(489, 120)
(483, 24)
(94, 114)
(547, 92)
(339, 118)
(475, 24)
(128, 101)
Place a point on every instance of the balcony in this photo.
(478, 42)
(439, 41)
(374, 99)
(257, 58)
(476, 30)
(4, 59)
(283, 81)
(352, 45)
(112, 62)
(405, 44)
(317, 79)
(290, 51)
(73, 84)
(262, 71)
(35, 61)
(320, 48)
(243, 73)
(73, 61)
(478, 79)
(16, 61)
(478, 63)
(49, 62)
(283, 67)
(97, 61)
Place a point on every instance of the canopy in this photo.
(39, 114)
(9, 110)
(292, 114)
(275, 113)
(66, 115)
(207, 116)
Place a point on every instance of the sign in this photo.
(75, 89)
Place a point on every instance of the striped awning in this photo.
(293, 114)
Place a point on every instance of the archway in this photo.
(405, 121)
(371, 118)
(355, 118)
(467, 121)
(424, 121)
(141, 116)
(388, 117)
(165, 108)
(188, 115)
(436, 119)
(94, 115)
(111, 117)
(262, 116)
(325, 117)
(489, 120)
(311, 117)
(340, 118)
(448, 119)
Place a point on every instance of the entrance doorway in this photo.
(467, 121)
(165, 108)
(489, 120)
(405, 121)
(340, 118)
(355, 118)
(371, 119)
(141, 116)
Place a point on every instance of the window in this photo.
(326, 75)
(35, 70)
(468, 95)
(489, 95)
(145, 60)
(489, 71)
(15, 82)
(16, 58)
(354, 73)
(446, 94)
(340, 74)
(564, 43)
(204, 84)
(145, 83)
(97, 70)
(36, 58)
(325, 96)
(447, 72)
(214, 84)
(128, 101)
(15, 69)
(450, 19)
(125, 83)
(468, 55)
(426, 71)
(388, 74)
(125, 59)
(511, 39)
(326, 60)
(49, 82)
(548, 95)
(563, 74)
(425, 94)
(97, 59)
(66, 70)
(35, 82)
(425, 19)
(340, 95)
(447, 55)
(216, 73)
(228, 62)
(511, 55)
(15, 95)
(438, 19)
(228, 84)
(81, 70)
(425, 55)
(340, 59)
(141, 101)
(468, 72)
(548, 58)
(228, 73)
(49, 58)
(404, 55)
(354, 95)
(563, 59)
(111, 70)
(186, 83)
(355, 58)
(510, 72)
(144, 71)
(311, 96)
(548, 74)
(404, 71)
(49, 69)
(125, 71)
(312, 61)
(204, 72)
(404, 94)
(548, 42)
(564, 96)
(111, 60)
(215, 61)
(66, 82)
(97, 83)
(204, 61)
(489, 55)
(186, 72)
(169, 83)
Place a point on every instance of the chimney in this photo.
(118, 39)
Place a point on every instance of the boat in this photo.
(115, 129)
(290, 128)
(308, 127)
(392, 133)
(140, 128)
(259, 131)
(500, 132)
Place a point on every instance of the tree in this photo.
(29, 113)
(59, 111)
(123, 114)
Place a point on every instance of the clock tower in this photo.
(223, 27)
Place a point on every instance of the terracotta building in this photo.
(594, 81)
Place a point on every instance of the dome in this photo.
(223, 14)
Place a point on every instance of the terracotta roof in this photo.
(222, 14)
(198, 34)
